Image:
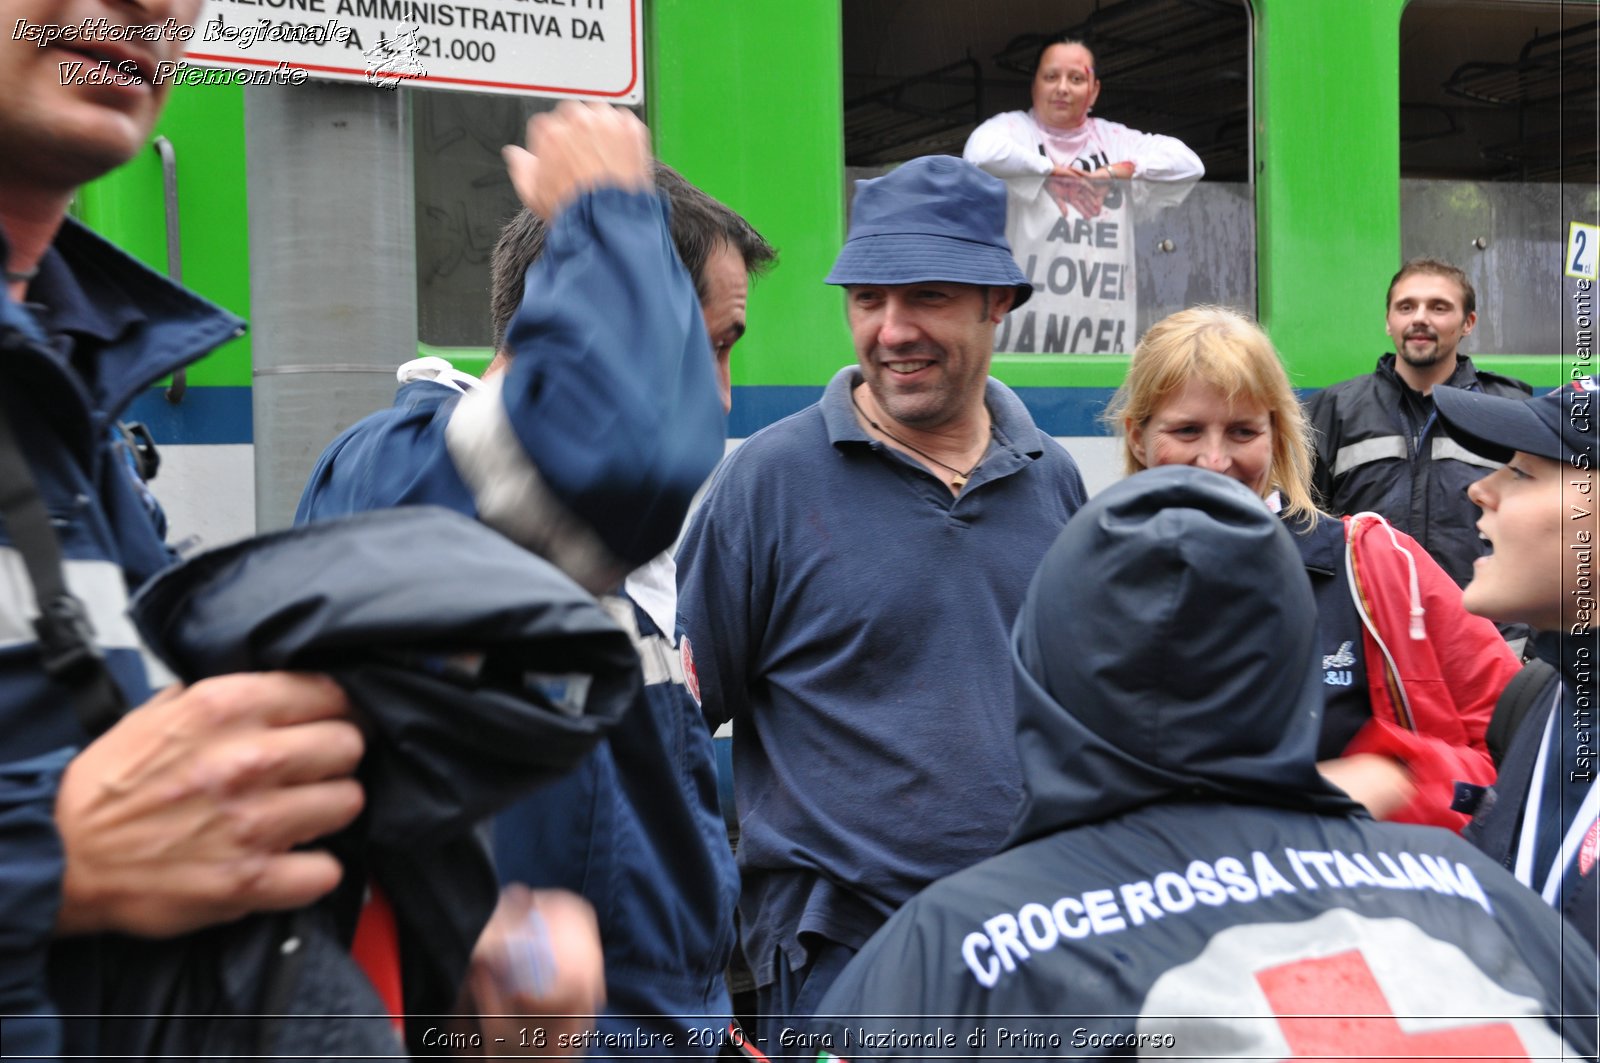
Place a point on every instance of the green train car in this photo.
(352, 224)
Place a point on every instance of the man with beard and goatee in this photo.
(1379, 444)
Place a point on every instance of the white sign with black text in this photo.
(585, 49)
(1080, 258)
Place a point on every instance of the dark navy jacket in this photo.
(107, 329)
(1180, 879)
(1498, 826)
(1347, 706)
(1380, 449)
(436, 659)
(635, 828)
(589, 448)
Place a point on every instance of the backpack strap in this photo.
(66, 637)
(1515, 701)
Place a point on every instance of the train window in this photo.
(1106, 258)
(462, 200)
(1498, 154)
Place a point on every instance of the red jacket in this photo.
(1431, 696)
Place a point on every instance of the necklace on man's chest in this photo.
(958, 480)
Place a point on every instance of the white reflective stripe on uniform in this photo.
(98, 585)
(156, 674)
(657, 656)
(513, 498)
(1445, 447)
(1379, 448)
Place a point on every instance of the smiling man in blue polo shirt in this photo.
(847, 589)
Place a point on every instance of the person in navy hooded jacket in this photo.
(126, 833)
(1180, 881)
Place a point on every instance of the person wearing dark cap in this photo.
(1542, 818)
(846, 587)
(1180, 880)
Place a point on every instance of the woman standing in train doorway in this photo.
(1068, 217)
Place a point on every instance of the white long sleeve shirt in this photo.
(1013, 144)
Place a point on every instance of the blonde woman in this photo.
(1410, 678)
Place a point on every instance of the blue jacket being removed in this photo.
(587, 450)
(1181, 881)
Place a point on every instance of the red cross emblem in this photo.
(691, 678)
(1333, 1009)
(1586, 851)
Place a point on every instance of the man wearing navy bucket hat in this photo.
(1542, 817)
(846, 589)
